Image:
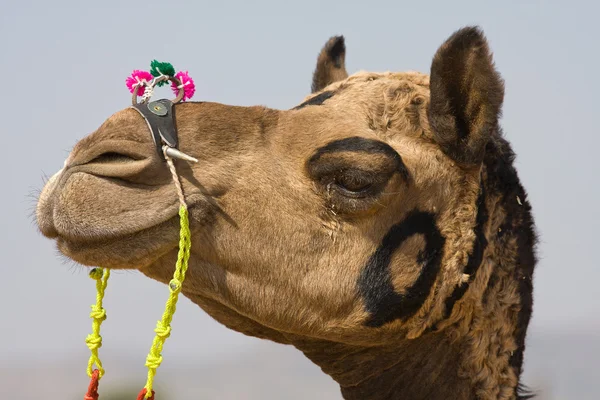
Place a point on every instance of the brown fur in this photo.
(280, 244)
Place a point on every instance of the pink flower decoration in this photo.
(188, 85)
(136, 77)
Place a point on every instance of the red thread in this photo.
(143, 393)
(92, 392)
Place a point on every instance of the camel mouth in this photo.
(84, 205)
(98, 213)
(136, 250)
(123, 251)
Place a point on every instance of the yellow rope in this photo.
(163, 327)
(98, 314)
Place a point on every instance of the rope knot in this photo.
(162, 330)
(148, 92)
(93, 341)
(184, 84)
(175, 285)
(96, 273)
(153, 362)
(98, 313)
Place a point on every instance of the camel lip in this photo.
(75, 237)
(121, 252)
(91, 241)
(64, 233)
(44, 206)
(124, 251)
(56, 223)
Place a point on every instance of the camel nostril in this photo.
(123, 160)
(112, 158)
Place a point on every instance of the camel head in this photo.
(366, 217)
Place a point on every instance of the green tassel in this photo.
(164, 67)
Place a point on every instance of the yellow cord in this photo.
(98, 314)
(163, 327)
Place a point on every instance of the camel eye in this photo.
(351, 190)
(352, 173)
(354, 183)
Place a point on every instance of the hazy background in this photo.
(63, 67)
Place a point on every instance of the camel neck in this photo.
(477, 351)
(423, 368)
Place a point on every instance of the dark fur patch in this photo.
(503, 180)
(316, 101)
(382, 302)
(476, 255)
(330, 64)
(364, 145)
(337, 51)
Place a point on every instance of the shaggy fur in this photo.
(379, 227)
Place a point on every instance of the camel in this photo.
(379, 226)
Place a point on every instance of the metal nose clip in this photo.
(160, 117)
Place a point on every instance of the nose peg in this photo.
(174, 153)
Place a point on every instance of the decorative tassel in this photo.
(92, 392)
(145, 81)
(138, 76)
(158, 68)
(189, 88)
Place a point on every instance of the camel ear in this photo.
(466, 96)
(331, 64)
